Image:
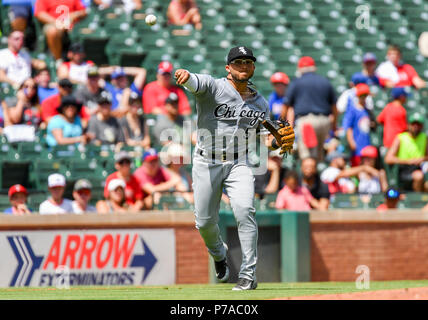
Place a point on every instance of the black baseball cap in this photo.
(65, 83)
(172, 98)
(76, 47)
(105, 97)
(240, 52)
(69, 100)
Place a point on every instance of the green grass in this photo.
(201, 292)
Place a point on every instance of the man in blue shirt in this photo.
(311, 100)
(44, 87)
(120, 89)
(356, 123)
(279, 81)
(367, 75)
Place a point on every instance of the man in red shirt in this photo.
(155, 93)
(153, 178)
(58, 17)
(135, 197)
(51, 104)
(395, 73)
(394, 116)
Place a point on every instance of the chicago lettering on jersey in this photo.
(223, 111)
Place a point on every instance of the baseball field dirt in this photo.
(397, 294)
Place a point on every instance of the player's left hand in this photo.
(287, 137)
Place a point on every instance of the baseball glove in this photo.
(283, 133)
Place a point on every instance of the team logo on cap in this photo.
(242, 50)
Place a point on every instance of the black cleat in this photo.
(245, 284)
(222, 270)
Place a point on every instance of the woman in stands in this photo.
(182, 12)
(25, 107)
(115, 202)
(66, 127)
(175, 160)
(134, 124)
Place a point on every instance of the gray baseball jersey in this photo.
(225, 123)
(225, 115)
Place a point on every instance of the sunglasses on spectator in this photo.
(29, 87)
(242, 62)
(84, 192)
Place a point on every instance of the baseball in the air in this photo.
(151, 20)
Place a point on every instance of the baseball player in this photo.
(227, 107)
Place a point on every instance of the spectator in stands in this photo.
(133, 124)
(371, 180)
(293, 196)
(394, 116)
(367, 75)
(24, 108)
(153, 178)
(409, 151)
(356, 123)
(335, 176)
(311, 180)
(269, 182)
(128, 5)
(103, 127)
(156, 92)
(175, 160)
(18, 199)
(134, 196)
(82, 195)
(184, 12)
(66, 127)
(50, 105)
(90, 93)
(55, 23)
(115, 200)
(45, 88)
(16, 64)
(392, 198)
(120, 89)
(279, 81)
(76, 69)
(171, 120)
(394, 73)
(311, 100)
(56, 204)
(20, 13)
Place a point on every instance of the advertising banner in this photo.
(87, 257)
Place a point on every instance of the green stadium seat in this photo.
(4, 202)
(415, 200)
(346, 201)
(40, 169)
(172, 202)
(35, 199)
(376, 200)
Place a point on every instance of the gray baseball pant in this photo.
(238, 180)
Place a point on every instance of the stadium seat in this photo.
(4, 202)
(415, 200)
(173, 202)
(346, 201)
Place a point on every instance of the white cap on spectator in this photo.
(115, 183)
(56, 180)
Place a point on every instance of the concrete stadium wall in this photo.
(393, 245)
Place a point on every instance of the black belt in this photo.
(223, 155)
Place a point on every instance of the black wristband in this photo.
(274, 144)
